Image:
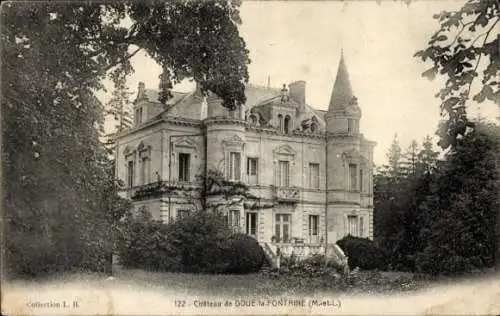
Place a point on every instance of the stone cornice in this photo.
(137, 128)
(224, 121)
(294, 133)
(177, 120)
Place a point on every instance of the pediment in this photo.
(126, 150)
(142, 146)
(234, 140)
(185, 142)
(277, 102)
(354, 156)
(285, 150)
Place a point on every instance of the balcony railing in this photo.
(158, 188)
(302, 251)
(287, 194)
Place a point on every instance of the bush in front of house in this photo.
(199, 243)
(363, 253)
(245, 254)
(313, 266)
(145, 244)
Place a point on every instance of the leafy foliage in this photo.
(198, 243)
(59, 186)
(464, 49)
(397, 196)
(462, 210)
(314, 266)
(442, 220)
(363, 253)
(245, 254)
(218, 194)
(120, 106)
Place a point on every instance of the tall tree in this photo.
(395, 159)
(55, 56)
(462, 210)
(464, 49)
(427, 156)
(119, 105)
(410, 159)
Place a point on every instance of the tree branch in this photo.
(122, 60)
(487, 33)
(460, 32)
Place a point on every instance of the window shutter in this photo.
(188, 167)
(237, 166)
(227, 165)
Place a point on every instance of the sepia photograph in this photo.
(250, 157)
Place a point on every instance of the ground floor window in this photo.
(182, 214)
(251, 224)
(232, 219)
(282, 227)
(361, 227)
(313, 228)
(352, 224)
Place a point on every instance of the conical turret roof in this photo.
(342, 91)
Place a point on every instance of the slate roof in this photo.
(342, 91)
(153, 94)
(260, 99)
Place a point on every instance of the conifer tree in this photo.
(410, 159)
(462, 210)
(120, 106)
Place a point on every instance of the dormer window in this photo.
(253, 119)
(350, 126)
(284, 94)
(287, 124)
(314, 124)
(314, 127)
(138, 116)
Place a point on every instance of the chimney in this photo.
(141, 91)
(298, 93)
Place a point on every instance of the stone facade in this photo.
(314, 167)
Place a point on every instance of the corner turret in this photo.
(343, 111)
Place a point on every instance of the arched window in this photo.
(288, 123)
(280, 122)
(253, 119)
(313, 127)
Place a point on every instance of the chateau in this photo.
(315, 168)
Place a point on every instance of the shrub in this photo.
(363, 253)
(201, 242)
(314, 266)
(145, 245)
(245, 255)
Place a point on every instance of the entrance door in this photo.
(283, 227)
(251, 224)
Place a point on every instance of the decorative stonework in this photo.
(284, 150)
(186, 142)
(233, 142)
(286, 194)
(355, 157)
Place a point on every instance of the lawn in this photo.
(136, 292)
(273, 284)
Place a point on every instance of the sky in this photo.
(302, 40)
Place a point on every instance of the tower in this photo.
(349, 164)
(343, 111)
